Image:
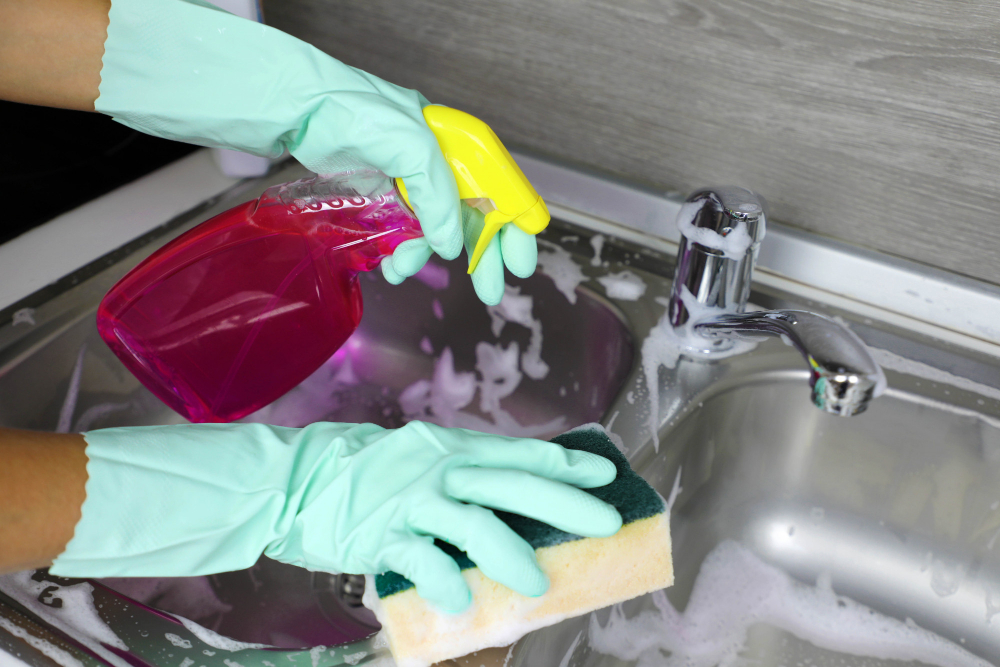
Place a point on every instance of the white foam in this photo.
(457, 626)
(498, 366)
(734, 591)
(946, 576)
(517, 308)
(49, 650)
(77, 617)
(440, 398)
(315, 653)
(177, 640)
(597, 243)
(214, 639)
(355, 658)
(664, 347)
(625, 286)
(23, 316)
(733, 245)
(557, 263)
(660, 348)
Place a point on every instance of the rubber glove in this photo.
(185, 70)
(198, 499)
(512, 247)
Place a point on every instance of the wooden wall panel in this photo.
(871, 122)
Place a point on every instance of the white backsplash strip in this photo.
(72, 240)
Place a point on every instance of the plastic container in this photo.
(232, 314)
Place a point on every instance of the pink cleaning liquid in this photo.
(235, 312)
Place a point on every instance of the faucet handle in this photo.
(721, 230)
(730, 220)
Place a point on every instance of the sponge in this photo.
(584, 573)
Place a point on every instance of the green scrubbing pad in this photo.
(584, 573)
(630, 494)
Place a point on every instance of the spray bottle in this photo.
(235, 312)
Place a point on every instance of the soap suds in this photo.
(10, 660)
(734, 591)
(664, 347)
(23, 316)
(558, 264)
(77, 616)
(624, 286)
(498, 366)
(49, 650)
(733, 245)
(214, 639)
(597, 243)
(517, 308)
(946, 576)
(441, 399)
(660, 348)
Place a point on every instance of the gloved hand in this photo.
(185, 70)
(198, 499)
(512, 247)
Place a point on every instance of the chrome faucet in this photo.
(721, 231)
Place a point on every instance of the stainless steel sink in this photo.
(787, 520)
(891, 517)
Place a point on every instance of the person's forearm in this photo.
(42, 487)
(51, 50)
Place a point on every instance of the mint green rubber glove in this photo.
(512, 247)
(198, 499)
(185, 70)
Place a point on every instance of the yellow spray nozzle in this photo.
(484, 170)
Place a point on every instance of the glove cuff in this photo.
(188, 500)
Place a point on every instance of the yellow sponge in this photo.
(584, 573)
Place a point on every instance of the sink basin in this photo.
(802, 538)
(536, 366)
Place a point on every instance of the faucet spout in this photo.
(721, 231)
(843, 375)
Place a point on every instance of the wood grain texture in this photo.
(875, 123)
